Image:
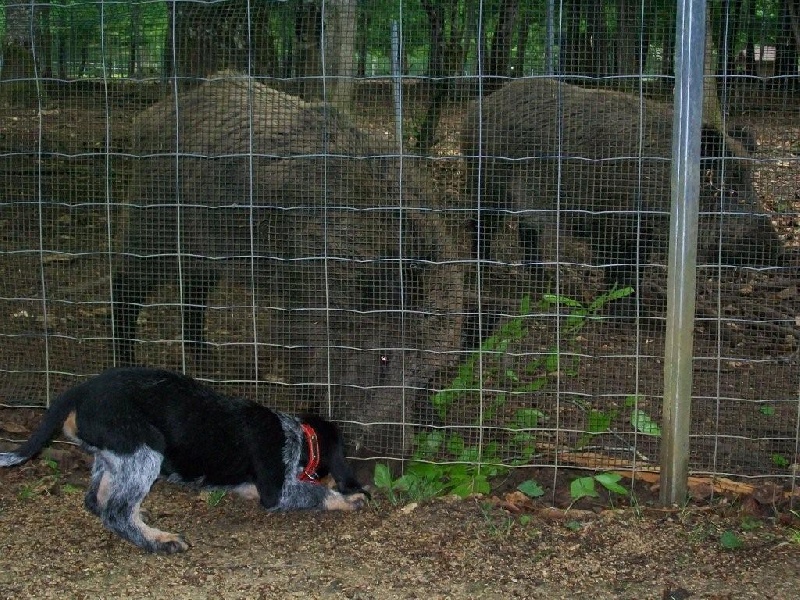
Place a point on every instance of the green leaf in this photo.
(730, 541)
(527, 418)
(491, 452)
(631, 401)
(564, 300)
(428, 443)
(525, 305)
(642, 422)
(455, 444)
(576, 320)
(780, 461)
(531, 488)
(582, 487)
(476, 484)
(422, 470)
(382, 477)
(551, 363)
(533, 386)
(598, 421)
(610, 296)
(610, 482)
(470, 454)
(767, 410)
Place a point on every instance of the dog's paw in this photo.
(357, 501)
(171, 544)
(336, 501)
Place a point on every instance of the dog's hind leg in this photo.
(97, 494)
(120, 483)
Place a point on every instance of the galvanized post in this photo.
(689, 51)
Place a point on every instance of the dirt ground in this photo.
(50, 547)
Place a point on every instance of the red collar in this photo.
(309, 473)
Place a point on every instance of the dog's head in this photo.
(331, 456)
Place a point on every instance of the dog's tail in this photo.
(53, 419)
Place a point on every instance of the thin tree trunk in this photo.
(18, 61)
(500, 52)
(340, 52)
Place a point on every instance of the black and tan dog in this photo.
(144, 423)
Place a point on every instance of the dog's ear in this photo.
(332, 447)
(346, 481)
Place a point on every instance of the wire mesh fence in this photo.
(444, 225)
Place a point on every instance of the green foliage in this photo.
(780, 461)
(48, 484)
(448, 463)
(424, 480)
(729, 540)
(214, 497)
(531, 489)
(599, 421)
(584, 487)
(750, 523)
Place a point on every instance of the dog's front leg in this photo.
(304, 495)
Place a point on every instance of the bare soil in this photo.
(50, 547)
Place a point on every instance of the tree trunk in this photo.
(598, 33)
(438, 94)
(133, 58)
(211, 36)
(627, 38)
(499, 61)
(18, 62)
(525, 21)
(307, 58)
(361, 42)
(788, 44)
(44, 40)
(340, 52)
(712, 109)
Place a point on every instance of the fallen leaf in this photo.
(13, 427)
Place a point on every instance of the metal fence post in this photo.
(681, 278)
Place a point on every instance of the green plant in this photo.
(794, 533)
(448, 462)
(729, 540)
(47, 484)
(214, 497)
(423, 479)
(584, 487)
(779, 460)
(599, 421)
(531, 489)
(750, 523)
(499, 525)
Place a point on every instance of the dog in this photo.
(141, 424)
